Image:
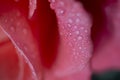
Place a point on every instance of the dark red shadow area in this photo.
(100, 32)
(8, 5)
(44, 26)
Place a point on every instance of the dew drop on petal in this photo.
(80, 47)
(17, 43)
(70, 34)
(70, 20)
(73, 49)
(79, 37)
(25, 48)
(61, 33)
(69, 25)
(52, 1)
(12, 28)
(81, 28)
(52, 5)
(25, 31)
(77, 20)
(17, 23)
(75, 56)
(78, 14)
(6, 20)
(60, 11)
(70, 44)
(61, 3)
(75, 28)
(11, 20)
(86, 31)
(74, 39)
(77, 32)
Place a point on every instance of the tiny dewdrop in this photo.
(79, 38)
(77, 32)
(60, 11)
(70, 20)
(52, 1)
(12, 28)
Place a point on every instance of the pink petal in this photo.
(17, 29)
(75, 46)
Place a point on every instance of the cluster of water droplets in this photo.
(58, 6)
(73, 27)
(9, 22)
(78, 37)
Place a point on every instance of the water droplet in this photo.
(52, 5)
(61, 33)
(74, 39)
(74, 53)
(17, 24)
(11, 20)
(12, 28)
(82, 51)
(80, 47)
(70, 34)
(75, 27)
(53, 1)
(61, 3)
(77, 53)
(78, 14)
(70, 44)
(74, 49)
(18, 14)
(70, 20)
(25, 48)
(60, 11)
(77, 20)
(79, 37)
(77, 32)
(86, 31)
(6, 20)
(25, 31)
(17, 43)
(69, 25)
(82, 28)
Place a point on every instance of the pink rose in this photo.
(58, 39)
